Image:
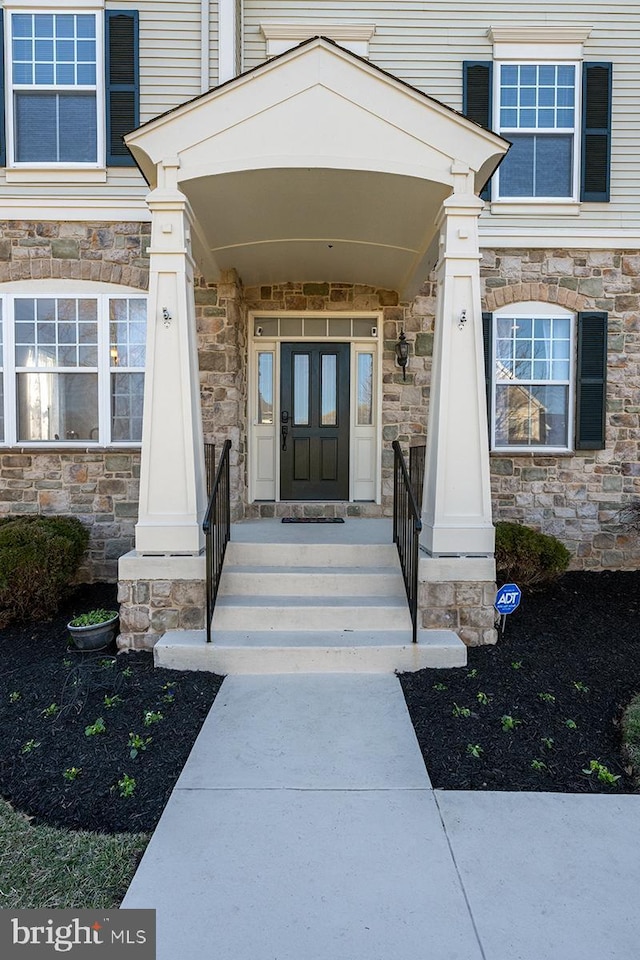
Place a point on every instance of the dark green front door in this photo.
(314, 421)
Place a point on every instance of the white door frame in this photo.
(365, 440)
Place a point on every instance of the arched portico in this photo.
(315, 165)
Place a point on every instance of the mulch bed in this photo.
(39, 670)
(569, 653)
(577, 643)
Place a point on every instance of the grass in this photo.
(48, 867)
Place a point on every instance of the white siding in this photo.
(169, 54)
(425, 44)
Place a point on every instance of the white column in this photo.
(172, 476)
(457, 495)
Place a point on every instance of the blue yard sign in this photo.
(508, 598)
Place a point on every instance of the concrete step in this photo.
(275, 581)
(312, 554)
(322, 651)
(251, 612)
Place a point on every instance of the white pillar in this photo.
(457, 494)
(172, 475)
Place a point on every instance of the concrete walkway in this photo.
(304, 827)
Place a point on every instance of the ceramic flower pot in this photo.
(96, 636)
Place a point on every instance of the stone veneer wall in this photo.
(577, 497)
(100, 487)
(222, 315)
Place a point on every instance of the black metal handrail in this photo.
(209, 465)
(406, 530)
(217, 531)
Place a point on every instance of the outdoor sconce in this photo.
(402, 353)
(166, 317)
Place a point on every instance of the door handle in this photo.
(284, 429)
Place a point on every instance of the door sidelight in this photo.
(284, 429)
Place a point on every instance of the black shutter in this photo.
(477, 99)
(487, 343)
(122, 83)
(591, 381)
(596, 132)
(3, 140)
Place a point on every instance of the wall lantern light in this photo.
(402, 353)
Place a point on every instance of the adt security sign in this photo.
(508, 598)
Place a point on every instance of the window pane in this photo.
(516, 170)
(554, 166)
(365, 389)
(531, 416)
(127, 391)
(1, 407)
(52, 127)
(329, 390)
(265, 388)
(301, 389)
(57, 406)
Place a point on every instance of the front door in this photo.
(314, 421)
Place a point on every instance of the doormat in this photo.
(313, 520)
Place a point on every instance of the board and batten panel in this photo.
(425, 45)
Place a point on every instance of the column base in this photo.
(159, 593)
(458, 593)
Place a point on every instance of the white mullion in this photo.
(11, 383)
(104, 371)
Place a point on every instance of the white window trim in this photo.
(570, 201)
(57, 289)
(49, 8)
(525, 310)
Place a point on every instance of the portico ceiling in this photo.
(316, 166)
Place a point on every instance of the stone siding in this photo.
(578, 497)
(463, 606)
(99, 488)
(105, 252)
(148, 608)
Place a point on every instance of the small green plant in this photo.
(137, 744)
(439, 687)
(72, 773)
(474, 750)
(603, 773)
(548, 742)
(538, 765)
(546, 697)
(472, 674)
(516, 664)
(67, 663)
(51, 711)
(571, 724)
(91, 619)
(112, 701)
(127, 672)
(483, 698)
(29, 746)
(97, 727)
(14, 696)
(509, 723)
(169, 694)
(126, 785)
(151, 717)
(460, 711)
(527, 557)
(581, 687)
